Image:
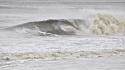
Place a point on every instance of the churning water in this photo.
(52, 29)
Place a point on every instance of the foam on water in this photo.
(14, 51)
(61, 55)
(49, 47)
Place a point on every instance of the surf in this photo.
(99, 24)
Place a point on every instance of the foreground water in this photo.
(61, 30)
(103, 63)
(18, 50)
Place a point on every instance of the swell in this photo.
(100, 24)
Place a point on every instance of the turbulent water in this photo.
(49, 30)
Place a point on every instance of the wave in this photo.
(61, 55)
(16, 59)
(99, 24)
(60, 27)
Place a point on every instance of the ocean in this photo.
(42, 34)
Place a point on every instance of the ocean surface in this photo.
(34, 32)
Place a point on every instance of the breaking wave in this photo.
(61, 55)
(107, 24)
(99, 24)
(16, 59)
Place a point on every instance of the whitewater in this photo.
(62, 34)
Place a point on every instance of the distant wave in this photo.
(101, 24)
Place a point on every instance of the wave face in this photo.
(60, 27)
(100, 24)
